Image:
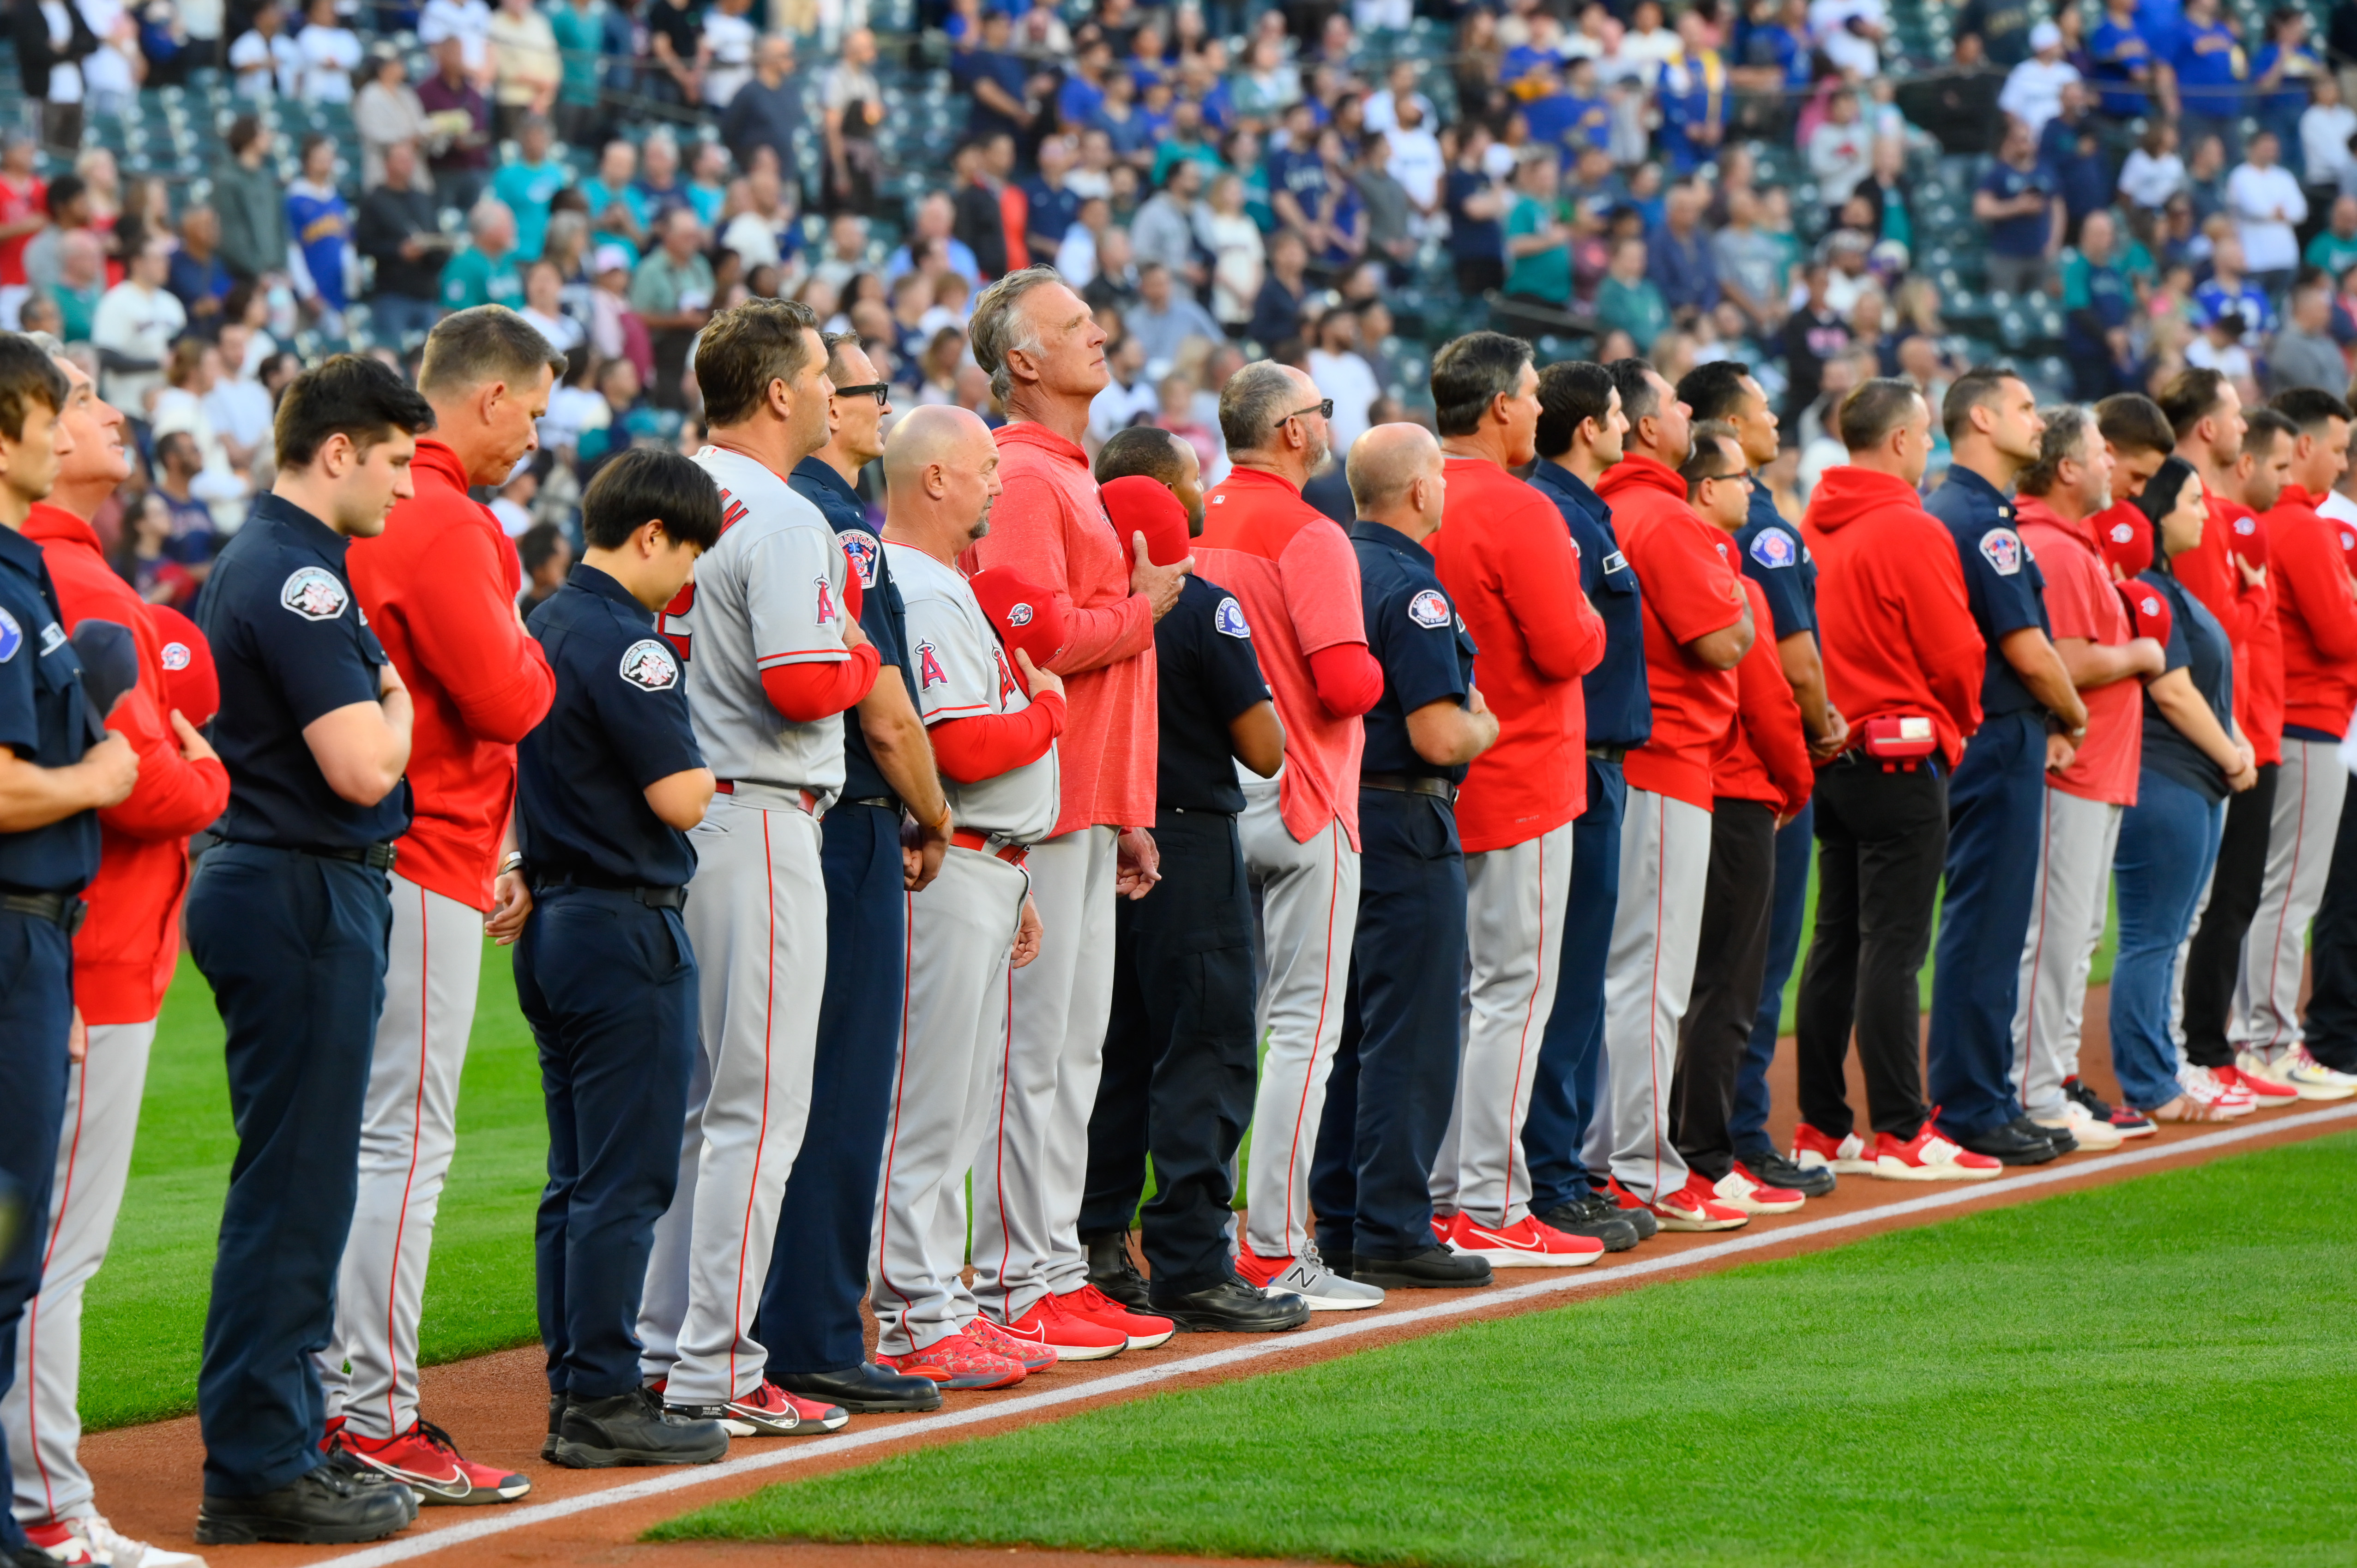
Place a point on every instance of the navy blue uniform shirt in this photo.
(2007, 589)
(43, 719)
(1619, 706)
(1418, 638)
(883, 616)
(1206, 676)
(291, 644)
(619, 723)
(1774, 557)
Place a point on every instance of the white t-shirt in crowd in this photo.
(330, 55)
(2255, 195)
(2149, 181)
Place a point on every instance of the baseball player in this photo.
(774, 655)
(994, 725)
(439, 586)
(123, 958)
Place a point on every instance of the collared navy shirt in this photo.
(1619, 706)
(1774, 557)
(291, 644)
(882, 613)
(1206, 677)
(43, 719)
(1418, 638)
(2007, 589)
(619, 723)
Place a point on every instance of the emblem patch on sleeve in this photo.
(1428, 608)
(1228, 620)
(313, 593)
(649, 665)
(12, 637)
(826, 610)
(859, 548)
(929, 673)
(2002, 548)
(1771, 548)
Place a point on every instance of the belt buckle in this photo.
(76, 911)
(379, 856)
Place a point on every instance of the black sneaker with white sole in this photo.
(634, 1428)
(1581, 1217)
(1771, 1169)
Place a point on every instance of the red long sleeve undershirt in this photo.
(987, 745)
(808, 693)
(1349, 680)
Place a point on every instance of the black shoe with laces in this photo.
(1581, 1217)
(2009, 1145)
(1602, 1201)
(2059, 1136)
(328, 1505)
(1231, 1306)
(1435, 1268)
(556, 1428)
(1113, 1270)
(634, 1428)
(1767, 1166)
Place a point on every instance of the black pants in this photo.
(1179, 1057)
(810, 1318)
(1726, 999)
(293, 947)
(35, 1015)
(1881, 838)
(2329, 1027)
(2214, 963)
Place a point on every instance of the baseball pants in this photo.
(2306, 818)
(1648, 977)
(1996, 804)
(1881, 840)
(1027, 1218)
(41, 1409)
(2075, 843)
(1563, 1097)
(35, 1015)
(755, 917)
(2330, 1025)
(947, 1095)
(2211, 965)
(1716, 1029)
(408, 1133)
(1746, 1125)
(1309, 902)
(1515, 900)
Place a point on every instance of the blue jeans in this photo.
(1747, 1126)
(2168, 842)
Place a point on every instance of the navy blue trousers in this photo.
(1179, 1057)
(1746, 1125)
(35, 1014)
(1995, 805)
(1563, 1091)
(609, 987)
(810, 1318)
(2330, 1024)
(293, 947)
(1394, 1079)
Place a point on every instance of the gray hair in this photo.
(2069, 427)
(1001, 326)
(1255, 400)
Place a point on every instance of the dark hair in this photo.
(63, 190)
(359, 397)
(836, 343)
(2306, 407)
(744, 349)
(2133, 422)
(2159, 498)
(2262, 424)
(1874, 409)
(27, 376)
(537, 545)
(241, 133)
(2065, 440)
(487, 343)
(1705, 455)
(1571, 393)
(1141, 449)
(2188, 398)
(1970, 391)
(1470, 374)
(1714, 391)
(173, 440)
(636, 486)
(1638, 397)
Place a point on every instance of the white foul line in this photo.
(686, 1477)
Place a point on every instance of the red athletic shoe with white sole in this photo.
(1694, 1207)
(1738, 1188)
(1070, 1336)
(1928, 1157)
(1848, 1155)
(1033, 1356)
(2265, 1093)
(1142, 1329)
(425, 1460)
(769, 1412)
(1527, 1244)
(957, 1362)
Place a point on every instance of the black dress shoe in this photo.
(1231, 1306)
(2009, 1145)
(1113, 1270)
(865, 1390)
(635, 1429)
(2059, 1136)
(1436, 1268)
(555, 1427)
(1768, 1166)
(326, 1506)
(1578, 1218)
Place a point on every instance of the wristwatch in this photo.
(515, 862)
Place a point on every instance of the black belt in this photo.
(376, 856)
(652, 897)
(1410, 784)
(881, 802)
(1608, 753)
(59, 909)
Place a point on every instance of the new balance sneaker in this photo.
(2205, 1088)
(1528, 1243)
(112, 1547)
(2267, 1093)
(1768, 1169)
(1142, 1329)
(425, 1460)
(1928, 1157)
(1847, 1155)
(1308, 1277)
(957, 1362)
(769, 1412)
(1694, 1208)
(2124, 1119)
(1739, 1189)
(1072, 1336)
(2297, 1069)
(1626, 1205)
(2085, 1131)
(1032, 1356)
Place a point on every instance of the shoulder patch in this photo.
(176, 656)
(649, 665)
(1229, 620)
(53, 637)
(12, 636)
(313, 593)
(825, 610)
(1616, 562)
(2348, 539)
(859, 548)
(1772, 547)
(2002, 549)
(930, 672)
(1428, 608)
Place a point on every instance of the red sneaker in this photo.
(65, 1544)
(2267, 1093)
(1528, 1243)
(1694, 1208)
(1070, 1336)
(425, 1460)
(769, 1412)
(1142, 1329)
(1741, 1189)
(1928, 1157)
(957, 1362)
(1847, 1155)
(998, 1342)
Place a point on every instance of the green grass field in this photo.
(2088, 1379)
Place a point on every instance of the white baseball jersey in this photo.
(770, 594)
(964, 672)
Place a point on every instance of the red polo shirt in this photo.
(2081, 602)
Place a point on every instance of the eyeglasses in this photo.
(1739, 477)
(881, 390)
(1324, 410)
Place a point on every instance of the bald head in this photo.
(1396, 478)
(940, 473)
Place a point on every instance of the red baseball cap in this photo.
(2125, 536)
(1139, 505)
(2147, 609)
(2246, 536)
(1027, 616)
(190, 682)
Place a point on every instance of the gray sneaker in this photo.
(1309, 1277)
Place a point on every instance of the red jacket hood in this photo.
(1845, 494)
(48, 524)
(1637, 470)
(2033, 509)
(437, 458)
(1030, 432)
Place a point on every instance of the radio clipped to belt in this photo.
(1899, 741)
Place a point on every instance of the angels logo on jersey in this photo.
(859, 548)
(313, 593)
(1428, 608)
(2002, 547)
(648, 664)
(826, 610)
(929, 669)
(732, 511)
(176, 656)
(1007, 686)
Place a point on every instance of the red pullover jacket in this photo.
(2246, 612)
(130, 942)
(1765, 754)
(2315, 614)
(438, 586)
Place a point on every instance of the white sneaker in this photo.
(2085, 1131)
(2202, 1086)
(1321, 1287)
(2295, 1067)
(110, 1545)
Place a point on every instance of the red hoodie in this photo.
(2315, 614)
(1048, 527)
(1892, 617)
(1689, 582)
(130, 942)
(439, 586)
(1765, 755)
(2246, 612)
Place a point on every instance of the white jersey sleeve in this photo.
(793, 597)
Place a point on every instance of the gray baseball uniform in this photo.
(2074, 879)
(2300, 833)
(1648, 977)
